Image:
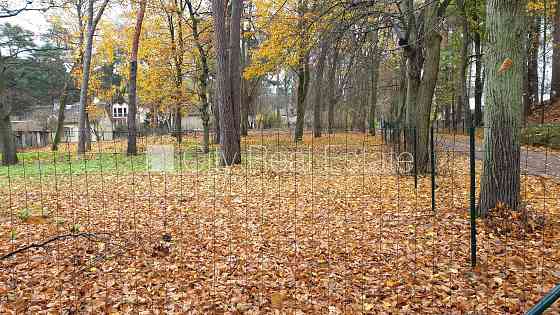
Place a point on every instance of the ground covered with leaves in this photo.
(329, 226)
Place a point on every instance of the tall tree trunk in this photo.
(426, 95)
(544, 63)
(244, 110)
(132, 107)
(318, 97)
(7, 142)
(506, 29)
(533, 61)
(415, 61)
(216, 114)
(412, 89)
(374, 73)
(84, 133)
(531, 77)
(478, 82)
(235, 66)
(363, 99)
(462, 102)
(331, 88)
(60, 121)
(202, 79)
(303, 83)
(555, 81)
(302, 71)
(229, 132)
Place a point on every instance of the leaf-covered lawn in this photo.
(324, 227)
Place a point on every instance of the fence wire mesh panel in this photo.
(347, 223)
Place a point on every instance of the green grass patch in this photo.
(37, 165)
(547, 135)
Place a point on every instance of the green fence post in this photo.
(433, 173)
(415, 160)
(545, 302)
(473, 195)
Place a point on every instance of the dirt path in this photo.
(534, 161)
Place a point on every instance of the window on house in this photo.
(114, 112)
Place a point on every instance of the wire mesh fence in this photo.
(340, 224)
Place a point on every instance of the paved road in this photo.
(534, 161)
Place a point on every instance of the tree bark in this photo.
(533, 62)
(7, 143)
(555, 81)
(234, 59)
(302, 71)
(60, 121)
(244, 110)
(331, 88)
(506, 31)
(478, 82)
(84, 132)
(426, 93)
(303, 83)
(202, 79)
(462, 102)
(530, 73)
(318, 97)
(216, 113)
(229, 132)
(375, 60)
(422, 74)
(132, 107)
(415, 61)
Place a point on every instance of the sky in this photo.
(31, 20)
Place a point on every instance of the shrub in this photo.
(24, 214)
(75, 228)
(542, 135)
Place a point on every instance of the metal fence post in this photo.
(552, 296)
(415, 160)
(433, 166)
(472, 195)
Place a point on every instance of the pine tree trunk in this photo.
(132, 107)
(506, 31)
